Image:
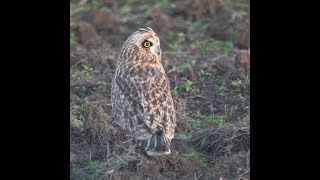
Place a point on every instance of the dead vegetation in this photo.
(210, 83)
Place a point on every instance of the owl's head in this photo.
(143, 42)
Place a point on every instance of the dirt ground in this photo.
(205, 46)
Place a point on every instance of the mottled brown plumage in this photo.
(141, 97)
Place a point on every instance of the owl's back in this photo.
(142, 103)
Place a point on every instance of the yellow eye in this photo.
(147, 44)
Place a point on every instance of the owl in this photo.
(141, 99)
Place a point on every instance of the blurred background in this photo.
(205, 46)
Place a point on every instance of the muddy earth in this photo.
(206, 54)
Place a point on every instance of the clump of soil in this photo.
(86, 33)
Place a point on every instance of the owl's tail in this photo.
(158, 144)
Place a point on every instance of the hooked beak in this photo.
(158, 51)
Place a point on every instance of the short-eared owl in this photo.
(141, 97)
